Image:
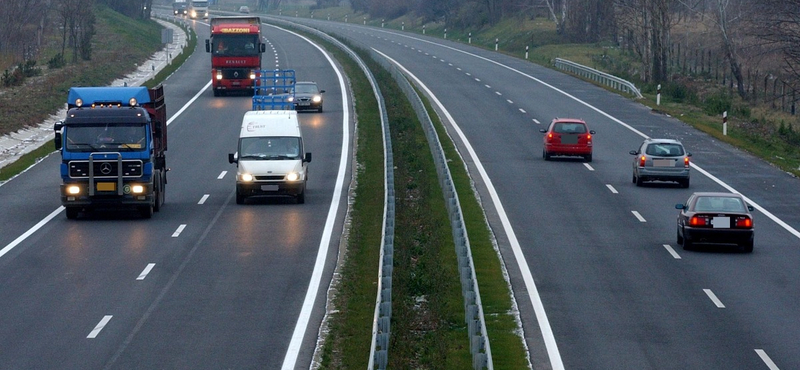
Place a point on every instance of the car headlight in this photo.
(246, 177)
(290, 99)
(317, 99)
(293, 176)
(73, 189)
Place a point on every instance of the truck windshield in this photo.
(106, 137)
(235, 45)
(269, 148)
(200, 4)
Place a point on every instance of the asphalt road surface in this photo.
(205, 283)
(594, 264)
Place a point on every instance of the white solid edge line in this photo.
(769, 215)
(30, 231)
(58, 210)
(544, 325)
(714, 298)
(768, 361)
(146, 271)
(93, 334)
(313, 285)
(672, 251)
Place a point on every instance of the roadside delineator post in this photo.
(658, 95)
(495, 44)
(526, 53)
(725, 123)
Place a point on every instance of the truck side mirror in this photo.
(208, 46)
(57, 128)
(262, 47)
(232, 158)
(57, 141)
(307, 158)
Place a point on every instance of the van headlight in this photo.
(293, 176)
(245, 177)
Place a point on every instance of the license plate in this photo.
(269, 187)
(304, 104)
(663, 163)
(106, 186)
(569, 139)
(721, 222)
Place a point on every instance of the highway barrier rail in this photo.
(606, 79)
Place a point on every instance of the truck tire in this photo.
(72, 212)
(158, 193)
(146, 211)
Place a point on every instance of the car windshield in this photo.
(718, 204)
(305, 89)
(104, 137)
(569, 128)
(269, 148)
(665, 149)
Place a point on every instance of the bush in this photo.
(57, 61)
(716, 104)
(14, 77)
(29, 68)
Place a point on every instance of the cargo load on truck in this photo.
(113, 146)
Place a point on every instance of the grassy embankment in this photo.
(118, 39)
(428, 329)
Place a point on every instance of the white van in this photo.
(271, 158)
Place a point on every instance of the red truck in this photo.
(235, 46)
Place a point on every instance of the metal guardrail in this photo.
(474, 318)
(611, 81)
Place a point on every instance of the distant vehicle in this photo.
(715, 218)
(307, 96)
(198, 9)
(180, 8)
(235, 46)
(567, 137)
(244, 9)
(661, 160)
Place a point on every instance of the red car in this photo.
(568, 137)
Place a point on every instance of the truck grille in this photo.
(236, 73)
(105, 169)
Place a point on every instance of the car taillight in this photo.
(642, 159)
(549, 137)
(698, 221)
(744, 221)
(686, 162)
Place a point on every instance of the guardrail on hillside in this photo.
(611, 81)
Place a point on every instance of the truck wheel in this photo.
(216, 92)
(72, 212)
(146, 211)
(158, 194)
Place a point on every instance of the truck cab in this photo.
(198, 9)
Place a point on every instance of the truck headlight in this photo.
(137, 189)
(252, 75)
(219, 75)
(293, 176)
(246, 177)
(73, 189)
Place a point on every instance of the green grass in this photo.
(25, 162)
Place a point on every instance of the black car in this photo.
(715, 218)
(307, 96)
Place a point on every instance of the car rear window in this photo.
(665, 149)
(570, 128)
(718, 204)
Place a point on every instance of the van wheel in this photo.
(301, 198)
(72, 212)
(239, 198)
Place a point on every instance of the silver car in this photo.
(661, 160)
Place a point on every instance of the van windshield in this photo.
(269, 148)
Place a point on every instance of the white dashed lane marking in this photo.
(221, 175)
(638, 216)
(614, 191)
(99, 327)
(203, 199)
(768, 361)
(146, 271)
(672, 251)
(714, 298)
(178, 231)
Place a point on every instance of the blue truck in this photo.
(113, 146)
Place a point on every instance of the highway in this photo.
(593, 260)
(205, 283)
